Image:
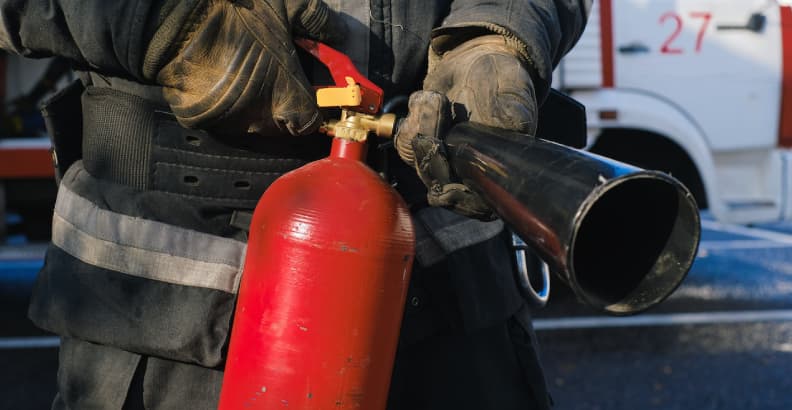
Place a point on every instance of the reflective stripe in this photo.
(145, 248)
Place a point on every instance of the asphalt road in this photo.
(722, 341)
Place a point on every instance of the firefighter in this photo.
(191, 108)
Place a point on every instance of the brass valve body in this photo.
(356, 126)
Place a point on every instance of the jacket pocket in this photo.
(135, 283)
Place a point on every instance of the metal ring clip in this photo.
(530, 266)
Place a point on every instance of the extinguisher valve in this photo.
(358, 97)
(357, 126)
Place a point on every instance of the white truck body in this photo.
(699, 88)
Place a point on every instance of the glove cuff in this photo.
(175, 19)
(450, 38)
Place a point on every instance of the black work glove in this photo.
(230, 65)
(482, 80)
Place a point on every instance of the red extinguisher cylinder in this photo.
(322, 294)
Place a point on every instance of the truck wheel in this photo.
(652, 151)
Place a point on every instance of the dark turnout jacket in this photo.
(111, 36)
(141, 275)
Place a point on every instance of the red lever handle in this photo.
(341, 67)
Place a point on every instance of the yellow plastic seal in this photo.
(348, 96)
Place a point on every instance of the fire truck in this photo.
(701, 89)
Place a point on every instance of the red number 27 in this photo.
(667, 47)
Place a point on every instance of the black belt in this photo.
(131, 141)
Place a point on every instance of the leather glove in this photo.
(482, 80)
(231, 66)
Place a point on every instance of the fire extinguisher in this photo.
(328, 262)
(331, 248)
